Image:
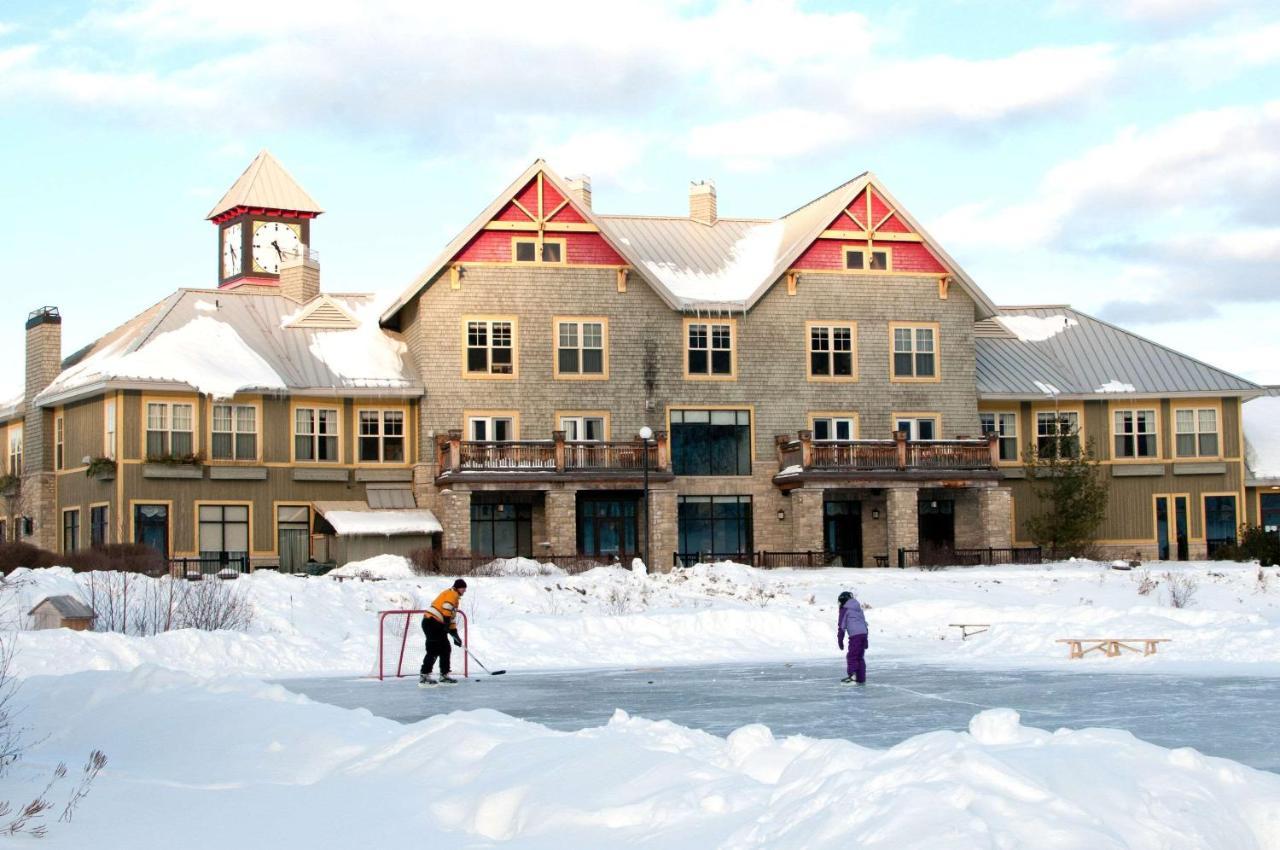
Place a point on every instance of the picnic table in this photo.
(1111, 647)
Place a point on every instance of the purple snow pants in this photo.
(856, 662)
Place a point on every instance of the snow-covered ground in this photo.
(205, 754)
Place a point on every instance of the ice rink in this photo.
(1230, 716)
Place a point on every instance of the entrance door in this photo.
(151, 527)
(607, 526)
(293, 536)
(937, 530)
(1171, 528)
(842, 532)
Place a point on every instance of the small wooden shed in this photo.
(62, 612)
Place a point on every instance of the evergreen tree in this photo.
(1072, 496)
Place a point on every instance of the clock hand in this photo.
(276, 245)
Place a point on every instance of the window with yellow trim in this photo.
(381, 437)
(170, 429)
(58, 453)
(315, 434)
(525, 250)
(831, 350)
(864, 259)
(1058, 433)
(580, 348)
(710, 348)
(915, 351)
(490, 347)
(109, 429)
(1135, 433)
(1196, 432)
(234, 432)
(15, 449)
(834, 428)
(1005, 427)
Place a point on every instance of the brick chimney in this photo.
(580, 189)
(44, 362)
(300, 275)
(702, 201)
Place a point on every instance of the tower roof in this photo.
(266, 184)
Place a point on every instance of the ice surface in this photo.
(806, 698)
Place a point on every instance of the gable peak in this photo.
(266, 184)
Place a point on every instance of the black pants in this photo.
(437, 646)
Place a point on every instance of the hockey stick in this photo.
(482, 667)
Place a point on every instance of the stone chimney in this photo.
(580, 190)
(44, 362)
(300, 275)
(702, 201)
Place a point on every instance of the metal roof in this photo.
(66, 606)
(1081, 356)
(365, 360)
(266, 184)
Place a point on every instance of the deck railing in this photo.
(898, 454)
(455, 454)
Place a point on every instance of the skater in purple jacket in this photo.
(853, 623)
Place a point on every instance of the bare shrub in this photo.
(132, 604)
(14, 555)
(424, 561)
(1182, 589)
(214, 605)
(1146, 583)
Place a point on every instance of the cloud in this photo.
(1127, 313)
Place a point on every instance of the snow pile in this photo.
(1262, 436)
(749, 262)
(377, 567)
(1036, 328)
(386, 521)
(205, 353)
(261, 751)
(517, 567)
(1114, 386)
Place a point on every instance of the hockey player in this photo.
(853, 623)
(439, 627)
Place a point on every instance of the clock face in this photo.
(232, 243)
(274, 241)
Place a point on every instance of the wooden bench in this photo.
(968, 629)
(1110, 647)
(882, 560)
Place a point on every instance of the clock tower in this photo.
(262, 220)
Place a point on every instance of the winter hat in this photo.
(845, 596)
(459, 585)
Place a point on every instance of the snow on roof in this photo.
(365, 355)
(384, 522)
(205, 353)
(1114, 386)
(1036, 328)
(734, 279)
(1262, 437)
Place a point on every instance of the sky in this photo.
(1122, 156)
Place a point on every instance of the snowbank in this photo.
(349, 779)
(378, 567)
(609, 617)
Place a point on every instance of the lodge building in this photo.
(829, 384)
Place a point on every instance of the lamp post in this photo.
(646, 434)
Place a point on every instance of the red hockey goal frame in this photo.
(404, 640)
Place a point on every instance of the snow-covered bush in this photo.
(1182, 589)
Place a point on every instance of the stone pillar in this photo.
(970, 528)
(664, 534)
(903, 516)
(995, 509)
(455, 516)
(424, 491)
(562, 521)
(806, 520)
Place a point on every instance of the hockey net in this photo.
(400, 643)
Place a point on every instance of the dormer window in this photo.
(864, 259)
(526, 250)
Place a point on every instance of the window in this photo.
(15, 449)
(719, 525)
(1219, 522)
(169, 431)
(1135, 433)
(99, 515)
(711, 442)
(860, 259)
(1005, 427)
(831, 354)
(490, 347)
(827, 428)
(580, 349)
(582, 429)
(71, 530)
(917, 427)
(315, 434)
(710, 349)
(235, 432)
(524, 250)
(1197, 432)
(915, 352)
(1269, 512)
(501, 526)
(1058, 434)
(491, 429)
(58, 454)
(607, 525)
(224, 531)
(109, 429)
(381, 436)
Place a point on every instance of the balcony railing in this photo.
(556, 455)
(896, 455)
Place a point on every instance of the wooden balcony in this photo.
(898, 458)
(556, 459)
